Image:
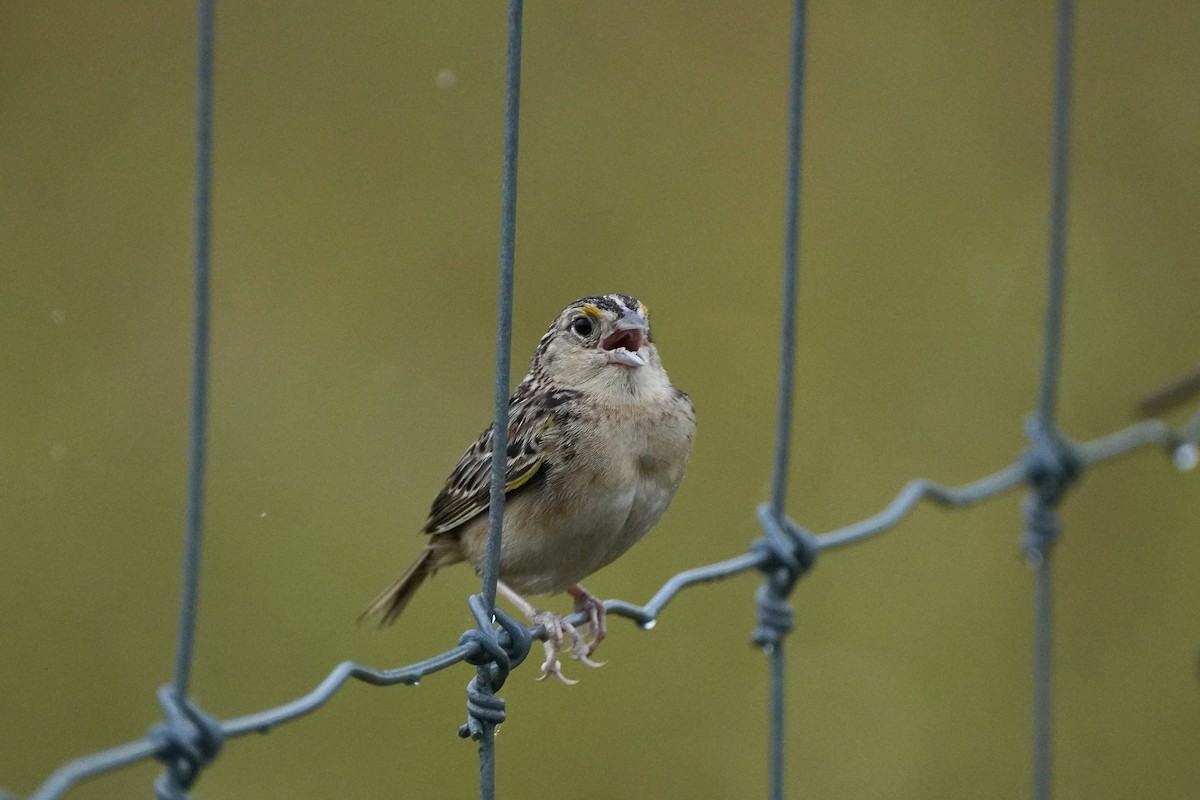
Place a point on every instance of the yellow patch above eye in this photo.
(590, 310)
(644, 310)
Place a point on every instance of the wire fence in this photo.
(188, 739)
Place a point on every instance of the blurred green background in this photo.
(356, 221)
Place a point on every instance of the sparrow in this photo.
(598, 442)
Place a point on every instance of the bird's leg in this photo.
(591, 605)
(556, 626)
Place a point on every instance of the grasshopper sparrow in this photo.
(598, 440)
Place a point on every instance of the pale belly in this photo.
(568, 528)
(594, 503)
(544, 552)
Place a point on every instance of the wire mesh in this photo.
(188, 739)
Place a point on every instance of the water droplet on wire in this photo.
(1186, 456)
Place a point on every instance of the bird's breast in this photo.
(608, 482)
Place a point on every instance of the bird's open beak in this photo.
(624, 345)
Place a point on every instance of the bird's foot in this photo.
(558, 630)
(591, 605)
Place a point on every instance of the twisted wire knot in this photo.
(187, 741)
(775, 618)
(1052, 464)
(788, 552)
(488, 652)
(1042, 528)
(496, 653)
(483, 708)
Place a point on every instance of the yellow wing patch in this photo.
(533, 467)
(523, 478)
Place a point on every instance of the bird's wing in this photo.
(466, 493)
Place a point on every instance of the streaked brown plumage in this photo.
(598, 443)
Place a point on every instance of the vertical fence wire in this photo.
(508, 225)
(1057, 250)
(194, 515)
(777, 730)
(508, 222)
(1045, 501)
(787, 359)
(791, 257)
(1043, 664)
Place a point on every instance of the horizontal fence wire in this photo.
(1181, 445)
(188, 738)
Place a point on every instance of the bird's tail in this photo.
(392, 600)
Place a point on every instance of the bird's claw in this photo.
(597, 616)
(553, 666)
(556, 629)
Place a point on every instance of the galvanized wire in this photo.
(188, 738)
(791, 264)
(486, 711)
(194, 515)
(1155, 434)
(1043, 670)
(1057, 245)
(1042, 503)
(504, 295)
(774, 612)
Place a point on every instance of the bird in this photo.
(598, 443)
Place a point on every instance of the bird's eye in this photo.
(582, 326)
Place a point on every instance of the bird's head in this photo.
(603, 341)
